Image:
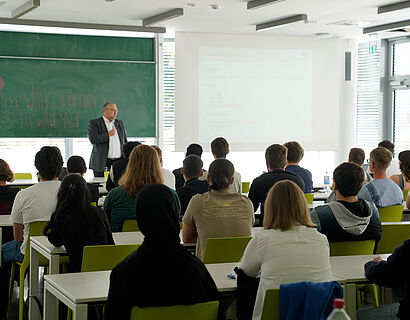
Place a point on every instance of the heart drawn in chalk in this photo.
(1, 83)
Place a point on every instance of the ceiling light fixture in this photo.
(62, 24)
(387, 27)
(393, 7)
(25, 8)
(171, 14)
(256, 4)
(281, 22)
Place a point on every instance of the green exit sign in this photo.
(372, 49)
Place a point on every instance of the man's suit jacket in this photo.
(98, 135)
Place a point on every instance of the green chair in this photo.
(199, 311)
(36, 229)
(24, 175)
(221, 250)
(309, 198)
(130, 225)
(105, 257)
(245, 187)
(270, 309)
(393, 235)
(391, 214)
(353, 248)
(405, 194)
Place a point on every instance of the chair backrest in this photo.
(405, 194)
(351, 248)
(130, 225)
(221, 250)
(5, 207)
(393, 235)
(23, 175)
(36, 229)
(270, 310)
(199, 311)
(309, 198)
(391, 214)
(245, 187)
(105, 257)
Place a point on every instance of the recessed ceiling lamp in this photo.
(393, 7)
(256, 4)
(25, 8)
(281, 22)
(171, 14)
(388, 27)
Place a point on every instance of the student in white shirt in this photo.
(289, 249)
(35, 203)
(169, 178)
(394, 167)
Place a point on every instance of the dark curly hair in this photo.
(404, 158)
(49, 162)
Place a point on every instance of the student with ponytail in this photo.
(75, 223)
(217, 213)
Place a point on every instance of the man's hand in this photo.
(111, 132)
(377, 259)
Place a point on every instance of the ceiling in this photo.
(231, 17)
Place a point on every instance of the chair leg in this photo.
(11, 287)
(21, 295)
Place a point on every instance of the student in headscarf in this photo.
(161, 272)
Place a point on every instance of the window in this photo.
(368, 97)
(400, 83)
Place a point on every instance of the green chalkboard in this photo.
(57, 98)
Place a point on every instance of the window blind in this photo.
(368, 115)
(169, 93)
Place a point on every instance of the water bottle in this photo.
(326, 181)
(338, 312)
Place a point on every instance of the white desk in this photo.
(22, 182)
(5, 221)
(321, 196)
(76, 290)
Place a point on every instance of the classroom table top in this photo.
(5, 220)
(87, 287)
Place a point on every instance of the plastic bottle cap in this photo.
(338, 303)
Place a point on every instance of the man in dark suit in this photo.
(107, 136)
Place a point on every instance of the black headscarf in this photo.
(158, 215)
(161, 272)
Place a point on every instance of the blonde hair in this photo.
(286, 207)
(381, 157)
(5, 172)
(143, 169)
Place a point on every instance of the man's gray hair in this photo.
(107, 105)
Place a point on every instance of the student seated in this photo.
(382, 190)
(35, 203)
(75, 223)
(220, 149)
(161, 272)
(193, 148)
(118, 167)
(217, 213)
(348, 218)
(191, 171)
(289, 249)
(393, 273)
(295, 155)
(169, 178)
(393, 168)
(357, 156)
(76, 164)
(7, 195)
(275, 156)
(143, 168)
(403, 179)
